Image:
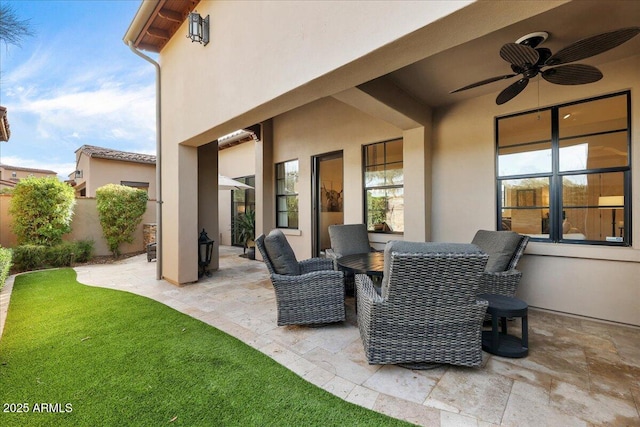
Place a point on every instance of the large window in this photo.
(287, 194)
(384, 186)
(564, 173)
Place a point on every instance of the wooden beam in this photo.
(171, 15)
(157, 32)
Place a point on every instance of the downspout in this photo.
(158, 162)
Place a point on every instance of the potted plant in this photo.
(245, 230)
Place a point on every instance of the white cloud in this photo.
(109, 104)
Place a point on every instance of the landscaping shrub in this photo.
(41, 209)
(5, 264)
(120, 209)
(33, 257)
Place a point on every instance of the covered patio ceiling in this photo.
(430, 80)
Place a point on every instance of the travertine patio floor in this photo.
(578, 372)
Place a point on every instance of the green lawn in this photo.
(99, 357)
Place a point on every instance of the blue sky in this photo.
(74, 82)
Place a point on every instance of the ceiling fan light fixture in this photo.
(533, 39)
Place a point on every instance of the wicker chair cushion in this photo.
(420, 248)
(500, 245)
(282, 257)
(347, 239)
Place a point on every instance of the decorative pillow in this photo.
(500, 245)
(280, 253)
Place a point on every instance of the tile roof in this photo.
(18, 168)
(110, 154)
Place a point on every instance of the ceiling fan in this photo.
(528, 60)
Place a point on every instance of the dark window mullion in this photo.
(555, 189)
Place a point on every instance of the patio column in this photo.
(417, 183)
(180, 214)
(265, 191)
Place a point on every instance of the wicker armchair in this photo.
(347, 239)
(427, 311)
(307, 292)
(505, 248)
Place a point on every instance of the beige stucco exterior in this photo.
(14, 174)
(234, 162)
(308, 81)
(97, 172)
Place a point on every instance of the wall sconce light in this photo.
(198, 28)
(613, 203)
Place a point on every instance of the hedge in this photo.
(5, 264)
(33, 257)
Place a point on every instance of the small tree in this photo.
(120, 210)
(42, 209)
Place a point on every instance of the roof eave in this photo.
(136, 28)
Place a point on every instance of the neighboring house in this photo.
(10, 175)
(5, 132)
(351, 100)
(97, 166)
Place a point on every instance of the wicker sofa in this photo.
(307, 292)
(427, 311)
(505, 248)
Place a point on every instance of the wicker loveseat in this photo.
(505, 248)
(307, 292)
(427, 311)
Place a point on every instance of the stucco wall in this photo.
(85, 225)
(243, 70)
(322, 127)
(103, 172)
(7, 238)
(593, 281)
(234, 162)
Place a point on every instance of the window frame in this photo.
(380, 187)
(556, 176)
(286, 195)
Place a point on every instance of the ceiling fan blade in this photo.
(572, 74)
(484, 82)
(518, 54)
(592, 46)
(512, 90)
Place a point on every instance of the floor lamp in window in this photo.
(613, 203)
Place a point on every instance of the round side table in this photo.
(498, 341)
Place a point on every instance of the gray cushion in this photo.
(280, 253)
(400, 246)
(347, 239)
(500, 245)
